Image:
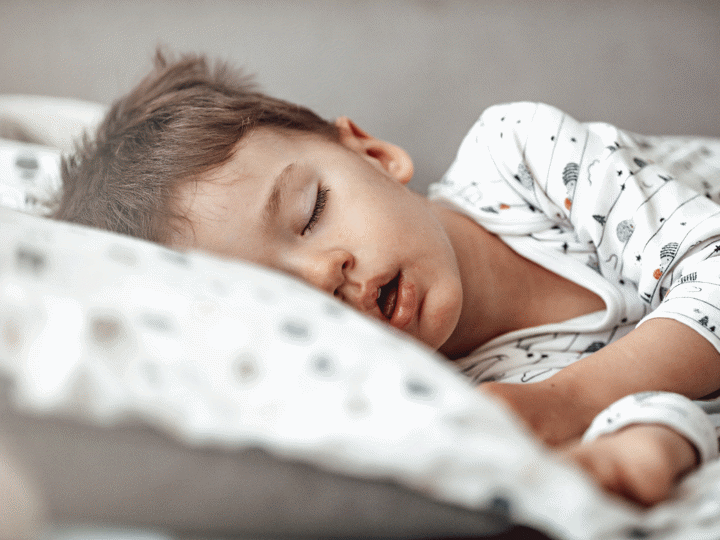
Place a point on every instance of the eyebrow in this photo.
(272, 206)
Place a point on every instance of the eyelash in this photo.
(320, 202)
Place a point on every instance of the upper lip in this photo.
(366, 301)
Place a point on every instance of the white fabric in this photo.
(49, 121)
(629, 217)
(30, 172)
(665, 408)
(29, 176)
(216, 353)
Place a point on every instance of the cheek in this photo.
(353, 218)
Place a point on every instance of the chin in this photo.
(444, 323)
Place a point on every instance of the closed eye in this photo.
(320, 202)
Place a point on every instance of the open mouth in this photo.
(387, 297)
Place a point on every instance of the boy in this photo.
(193, 157)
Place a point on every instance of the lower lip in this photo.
(405, 304)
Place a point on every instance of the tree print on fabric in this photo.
(570, 179)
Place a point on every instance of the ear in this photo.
(391, 158)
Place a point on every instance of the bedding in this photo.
(143, 387)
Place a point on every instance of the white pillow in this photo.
(29, 176)
(48, 121)
(30, 171)
(222, 359)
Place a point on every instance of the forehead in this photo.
(263, 152)
(221, 210)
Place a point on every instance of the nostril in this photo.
(336, 292)
(345, 265)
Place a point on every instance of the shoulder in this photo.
(507, 127)
(519, 113)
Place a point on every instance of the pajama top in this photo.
(633, 218)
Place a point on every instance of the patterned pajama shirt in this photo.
(633, 218)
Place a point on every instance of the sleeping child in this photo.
(577, 258)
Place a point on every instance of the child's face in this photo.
(337, 215)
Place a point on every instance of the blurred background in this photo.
(417, 73)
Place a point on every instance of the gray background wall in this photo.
(413, 72)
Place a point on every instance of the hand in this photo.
(642, 462)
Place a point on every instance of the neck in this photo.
(500, 289)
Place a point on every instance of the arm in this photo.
(660, 354)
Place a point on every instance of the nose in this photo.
(326, 270)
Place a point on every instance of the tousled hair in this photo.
(181, 121)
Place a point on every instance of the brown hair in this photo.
(182, 120)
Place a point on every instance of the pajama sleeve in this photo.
(639, 210)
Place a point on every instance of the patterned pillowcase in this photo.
(29, 176)
(110, 331)
(116, 334)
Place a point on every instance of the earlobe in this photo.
(391, 158)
